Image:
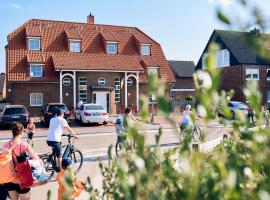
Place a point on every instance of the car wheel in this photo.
(233, 115)
(105, 123)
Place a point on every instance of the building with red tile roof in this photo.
(58, 61)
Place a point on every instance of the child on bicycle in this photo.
(62, 179)
(31, 128)
(185, 119)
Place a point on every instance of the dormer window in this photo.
(153, 71)
(36, 71)
(34, 43)
(75, 45)
(112, 47)
(145, 49)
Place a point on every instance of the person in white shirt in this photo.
(57, 126)
(79, 104)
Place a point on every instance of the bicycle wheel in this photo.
(48, 164)
(77, 160)
(196, 134)
(118, 146)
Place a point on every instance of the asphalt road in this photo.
(94, 141)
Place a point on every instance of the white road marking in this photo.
(39, 138)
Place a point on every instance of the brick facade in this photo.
(183, 83)
(20, 94)
(237, 76)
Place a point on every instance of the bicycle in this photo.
(50, 162)
(121, 141)
(196, 133)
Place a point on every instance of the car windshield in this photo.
(14, 111)
(240, 105)
(94, 107)
(54, 108)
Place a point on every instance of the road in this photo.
(94, 142)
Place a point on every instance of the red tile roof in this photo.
(35, 57)
(73, 34)
(56, 55)
(33, 31)
(149, 62)
(109, 36)
(70, 61)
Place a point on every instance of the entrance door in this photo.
(102, 98)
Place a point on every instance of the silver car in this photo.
(237, 106)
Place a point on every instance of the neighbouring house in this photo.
(184, 87)
(240, 61)
(59, 61)
(2, 86)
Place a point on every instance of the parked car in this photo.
(236, 106)
(91, 113)
(50, 111)
(14, 113)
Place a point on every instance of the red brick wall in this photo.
(183, 83)
(231, 79)
(20, 94)
(234, 77)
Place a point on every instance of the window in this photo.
(36, 99)
(268, 96)
(112, 48)
(101, 81)
(83, 89)
(154, 71)
(222, 58)
(117, 90)
(145, 49)
(34, 44)
(129, 82)
(36, 71)
(75, 46)
(252, 74)
(66, 81)
(268, 74)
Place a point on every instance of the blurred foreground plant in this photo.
(238, 168)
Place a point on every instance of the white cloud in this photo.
(221, 2)
(15, 5)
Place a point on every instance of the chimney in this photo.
(90, 19)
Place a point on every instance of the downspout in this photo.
(241, 83)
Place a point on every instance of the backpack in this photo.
(7, 170)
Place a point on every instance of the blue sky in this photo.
(182, 27)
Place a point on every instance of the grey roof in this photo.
(243, 45)
(182, 68)
(2, 82)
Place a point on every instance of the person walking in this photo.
(13, 188)
(31, 128)
(56, 129)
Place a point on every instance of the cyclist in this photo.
(57, 126)
(185, 119)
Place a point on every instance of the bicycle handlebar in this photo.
(68, 135)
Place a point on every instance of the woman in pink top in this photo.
(14, 190)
